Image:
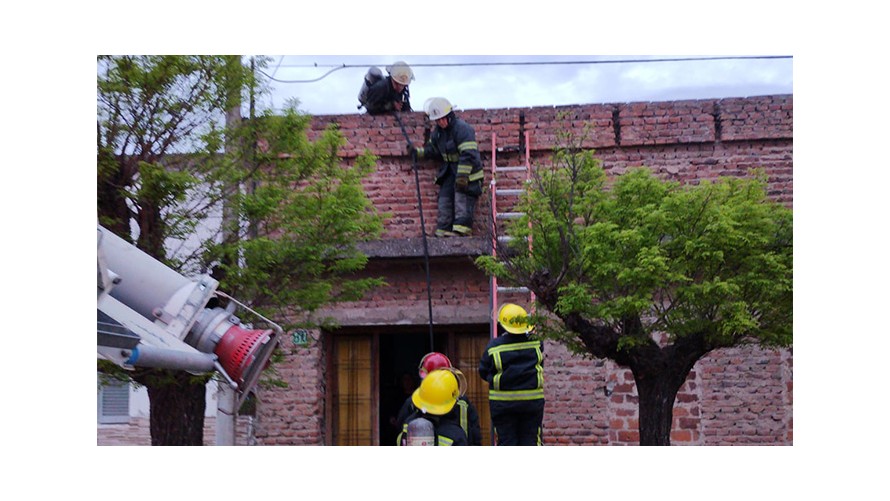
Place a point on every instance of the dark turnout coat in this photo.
(513, 366)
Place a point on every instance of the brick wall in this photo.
(136, 432)
(738, 396)
(681, 140)
(294, 415)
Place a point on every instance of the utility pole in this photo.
(226, 409)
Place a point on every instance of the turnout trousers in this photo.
(454, 208)
(518, 425)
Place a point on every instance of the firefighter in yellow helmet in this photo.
(391, 93)
(434, 400)
(460, 175)
(464, 411)
(513, 366)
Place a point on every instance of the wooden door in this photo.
(468, 349)
(355, 396)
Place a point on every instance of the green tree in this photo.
(298, 223)
(175, 165)
(649, 273)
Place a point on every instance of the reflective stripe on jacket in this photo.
(513, 366)
(463, 419)
(455, 144)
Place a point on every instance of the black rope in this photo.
(426, 253)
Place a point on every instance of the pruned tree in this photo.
(648, 273)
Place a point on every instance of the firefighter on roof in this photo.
(391, 93)
(460, 176)
(513, 366)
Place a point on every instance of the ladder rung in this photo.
(510, 169)
(509, 192)
(505, 239)
(512, 289)
(510, 215)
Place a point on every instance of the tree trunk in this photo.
(657, 393)
(177, 409)
(656, 412)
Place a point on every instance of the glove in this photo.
(460, 184)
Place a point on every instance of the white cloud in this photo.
(474, 86)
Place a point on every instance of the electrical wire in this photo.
(337, 67)
(308, 81)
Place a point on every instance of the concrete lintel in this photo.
(437, 247)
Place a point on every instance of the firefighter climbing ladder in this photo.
(511, 196)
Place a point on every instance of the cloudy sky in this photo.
(329, 84)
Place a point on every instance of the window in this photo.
(114, 402)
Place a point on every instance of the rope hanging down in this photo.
(426, 253)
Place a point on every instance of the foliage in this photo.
(295, 239)
(649, 273)
(168, 164)
(180, 175)
(160, 131)
(712, 259)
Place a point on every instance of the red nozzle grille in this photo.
(237, 350)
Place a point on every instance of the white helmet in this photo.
(437, 107)
(400, 72)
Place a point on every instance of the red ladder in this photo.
(497, 235)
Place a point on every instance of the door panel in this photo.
(354, 394)
(468, 351)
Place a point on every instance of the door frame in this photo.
(450, 332)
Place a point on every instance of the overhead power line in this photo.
(337, 67)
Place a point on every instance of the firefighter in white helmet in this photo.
(513, 366)
(433, 401)
(460, 175)
(391, 93)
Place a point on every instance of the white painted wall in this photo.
(139, 401)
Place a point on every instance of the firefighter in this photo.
(460, 176)
(464, 412)
(513, 366)
(391, 93)
(434, 400)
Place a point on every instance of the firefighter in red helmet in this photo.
(432, 422)
(463, 412)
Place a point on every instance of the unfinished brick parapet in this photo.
(683, 140)
(611, 125)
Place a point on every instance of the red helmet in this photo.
(431, 362)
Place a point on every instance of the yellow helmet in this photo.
(437, 392)
(437, 107)
(514, 319)
(400, 72)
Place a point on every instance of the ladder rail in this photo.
(496, 216)
(495, 238)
